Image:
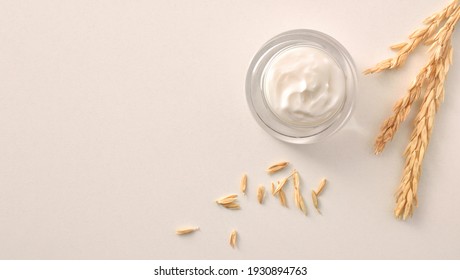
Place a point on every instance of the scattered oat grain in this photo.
(302, 206)
(297, 198)
(296, 180)
(227, 199)
(260, 193)
(232, 206)
(229, 202)
(233, 238)
(314, 197)
(282, 196)
(277, 166)
(280, 185)
(244, 183)
(321, 186)
(188, 230)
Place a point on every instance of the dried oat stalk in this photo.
(406, 195)
(229, 202)
(188, 230)
(244, 183)
(429, 83)
(260, 194)
(233, 238)
(277, 166)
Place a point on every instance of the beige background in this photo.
(123, 120)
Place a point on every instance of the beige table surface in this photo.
(123, 120)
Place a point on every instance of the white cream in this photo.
(304, 86)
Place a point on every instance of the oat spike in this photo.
(421, 35)
(428, 86)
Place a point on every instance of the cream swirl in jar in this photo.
(304, 86)
(300, 86)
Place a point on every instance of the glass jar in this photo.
(300, 86)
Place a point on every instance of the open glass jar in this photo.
(301, 86)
